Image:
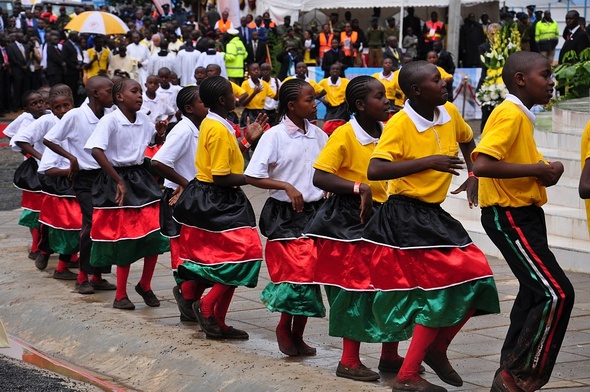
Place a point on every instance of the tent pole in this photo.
(454, 27)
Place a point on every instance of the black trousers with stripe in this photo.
(541, 310)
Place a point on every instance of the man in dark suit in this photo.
(393, 52)
(288, 59)
(55, 64)
(19, 57)
(333, 56)
(244, 31)
(71, 54)
(4, 77)
(576, 39)
(256, 50)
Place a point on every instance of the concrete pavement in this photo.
(149, 349)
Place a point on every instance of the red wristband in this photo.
(356, 188)
(470, 174)
(245, 143)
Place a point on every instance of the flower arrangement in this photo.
(504, 42)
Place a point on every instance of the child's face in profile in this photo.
(539, 82)
(433, 88)
(152, 84)
(35, 105)
(305, 106)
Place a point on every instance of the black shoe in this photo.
(359, 373)
(420, 385)
(387, 366)
(33, 255)
(103, 284)
(124, 304)
(149, 297)
(184, 306)
(443, 369)
(65, 275)
(84, 288)
(234, 333)
(41, 261)
(209, 324)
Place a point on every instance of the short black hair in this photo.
(411, 74)
(521, 61)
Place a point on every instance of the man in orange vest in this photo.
(349, 40)
(223, 24)
(325, 40)
(433, 31)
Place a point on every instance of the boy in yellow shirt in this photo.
(258, 90)
(334, 100)
(439, 276)
(390, 80)
(514, 175)
(301, 73)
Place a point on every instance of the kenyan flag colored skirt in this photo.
(123, 235)
(61, 213)
(426, 262)
(357, 310)
(219, 242)
(290, 259)
(27, 180)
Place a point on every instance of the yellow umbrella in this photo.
(97, 22)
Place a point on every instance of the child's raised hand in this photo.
(121, 192)
(445, 164)
(253, 131)
(295, 196)
(161, 127)
(262, 119)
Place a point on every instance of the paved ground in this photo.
(149, 349)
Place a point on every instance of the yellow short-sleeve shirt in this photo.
(218, 153)
(346, 157)
(402, 141)
(237, 90)
(389, 86)
(316, 87)
(508, 137)
(335, 95)
(258, 101)
(585, 154)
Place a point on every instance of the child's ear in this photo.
(291, 105)
(415, 89)
(360, 105)
(519, 78)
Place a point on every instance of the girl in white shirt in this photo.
(283, 163)
(125, 196)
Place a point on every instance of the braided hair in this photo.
(212, 89)
(119, 86)
(60, 90)
(289, 92)
(186, 96)
(357, 90)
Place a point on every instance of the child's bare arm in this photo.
(381, 169)
(546, 173)
(26, 148)
(471, 184)
(55, 172)
(268, 183)
(230, 180)
(332, 183)
(584, 187)
(105, 165)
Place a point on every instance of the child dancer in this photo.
(343, 258)
(301, 73)
(169, 91)
(270, 104)
(175, 161)
(390, 80)
(126, 192)
(282, 163)
(155, 106)
(218, 238)
(34, 107)
(435, 276)
(512, 190)
(67, 139)
(29, 140)
(336, 110)
(258, 90)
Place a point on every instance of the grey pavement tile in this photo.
(579, 323)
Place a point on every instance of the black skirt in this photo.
(56, 185)
(168, 226)
(278, 220)
(141, 187)
(26, 177)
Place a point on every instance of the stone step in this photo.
(571, 254)
(567, 118)
(557, 140)
(563, 221)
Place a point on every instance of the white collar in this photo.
(389, 78)
(217, 117)
(90, 116)
(423, 124)
(574, 30)
(515, 100)
(361, 135)
(334, 84)
(251, 82)
(123, 120)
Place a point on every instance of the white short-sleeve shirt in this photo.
(34, 133)
(72, 132)
(289, 156)
(122, 141)
(51, 160)
(180, 151)
(21, 121)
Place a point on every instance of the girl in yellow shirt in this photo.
(343, 257)
(218, 236)
(258, 90)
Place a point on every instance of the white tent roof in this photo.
(310, 5)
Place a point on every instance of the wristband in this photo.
(470, 174)
(245, 143)
(356, 188)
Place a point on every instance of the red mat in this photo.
(2, 135)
